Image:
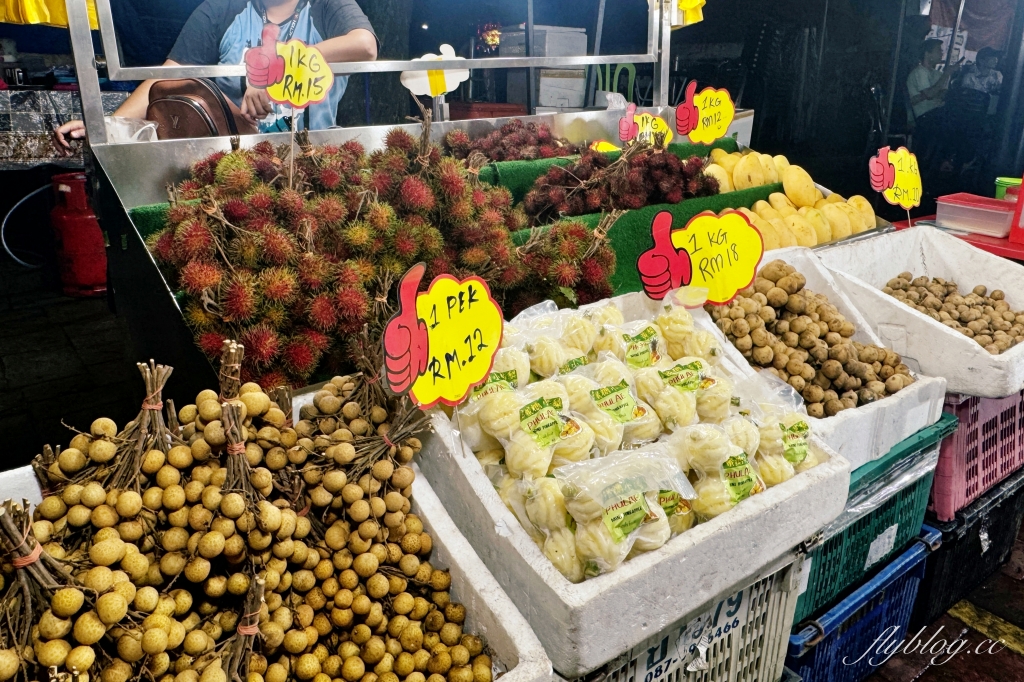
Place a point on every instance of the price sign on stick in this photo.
(705, 117)
(441, 343)
(293, 73)
(435, 82)
(643, 127)
(717, 253)
(896, 175)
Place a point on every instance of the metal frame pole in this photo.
(662, 67)
(531, 82)
(592, 71)
(85, 68)
(895, 72)
(952, 38)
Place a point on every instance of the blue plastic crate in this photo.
(832, 648)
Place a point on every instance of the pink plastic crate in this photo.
(987, 447)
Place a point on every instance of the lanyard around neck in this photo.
(294, 20)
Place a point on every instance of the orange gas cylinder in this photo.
(81, 252)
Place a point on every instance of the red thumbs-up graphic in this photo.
(263, 66)
(628, 128)
(405, 338)
(687, 115)
(883, 173)
(663, 267)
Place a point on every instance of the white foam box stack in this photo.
(868, 432)
(585, 626)
(863, 268)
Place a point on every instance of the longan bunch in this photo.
(985, 317)
(804, 340)
(97, 447)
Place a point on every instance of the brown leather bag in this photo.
(194, 107)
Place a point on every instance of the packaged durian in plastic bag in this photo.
(616, 397)
(511, 366)
(643, 345)
(607, 430)
(724, 486)
(613, 498)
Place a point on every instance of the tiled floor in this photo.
(60, 358)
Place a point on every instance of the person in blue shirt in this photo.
(220, 32)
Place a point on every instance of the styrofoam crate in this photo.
(585, 626)
(748, 630)
(863, 268)
(490, 613)
(868, 432)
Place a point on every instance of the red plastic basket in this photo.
(987, 447)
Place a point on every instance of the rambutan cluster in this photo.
(514, 141)
(296, 262)
(640, 177)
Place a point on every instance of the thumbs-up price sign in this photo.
(643, 127)
(293, 73)
(896, 175)
(441, 343)
(717, 253)
(706, 116)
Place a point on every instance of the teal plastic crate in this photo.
(888, 499)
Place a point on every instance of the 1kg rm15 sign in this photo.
(441, 343)
(717, 253)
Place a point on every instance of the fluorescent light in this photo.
(424, 27)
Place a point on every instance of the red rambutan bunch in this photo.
(279, 285)
(321, 313)
(451, 178)
(516, 220)
(414, 195)
(330, 210)
(197, 317)
(318, 341)
(314, 271)
(262, 345)
(404, 244)
(193, 239)
(329, 177)
(240, 298)
(235, 173)
(261, 199)
(353, 149)
(235, 210)
(490, 219)
(459, 212)
(211, 343)
(381, 182)
(190, 189)
(278, 247)
(475, 257)
(180, 212)
(431, 241)
(161, 245)
(379, 216)
(291, 203)
(512, 276)
(358, 236)
(275, 316)
(399, 140)
(592, 273)
(267, 169)
(299, 358)
(264, 148)
(365, 267)
(352, 303)
(349, 274)
(203, 171)
(273, 379)
(440, 265)
(458, 143)
(246, 249)
(499, 198)
(198, 276)
(565, 274)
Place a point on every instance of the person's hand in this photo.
(687, 115)
(405, 337)
(263, 66)
(72, 130)
(256, 105)
(663, 267)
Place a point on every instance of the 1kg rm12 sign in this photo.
(441, 343)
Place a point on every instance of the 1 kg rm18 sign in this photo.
(717, 253)
(441, 343)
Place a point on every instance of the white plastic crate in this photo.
(863, 268)
(748, 630)
(868, 432)
(584, 626)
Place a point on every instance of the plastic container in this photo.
(974, 546)
(973, 213)
(1003, 183)
(837, 646)
(987, 447)
(749, 632)
(888, 498)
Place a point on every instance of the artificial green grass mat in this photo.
(631, 234)
(149, 219)
(519, 176)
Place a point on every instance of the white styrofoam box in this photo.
(587, 625)
(490, 613)
(863, 268)
(562, 87)
(548, 41)
(867, 432)
(20, 484)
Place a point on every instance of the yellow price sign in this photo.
(717, 253)
(897, 176)
(442, 342)
(649, 127)
(306, 78)
(705, 117)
